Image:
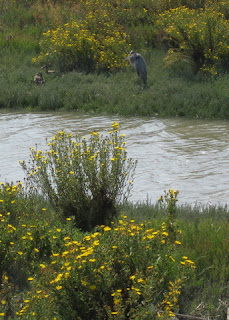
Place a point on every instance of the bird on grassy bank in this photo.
(39, 79)
(45, 67)
(138, 63)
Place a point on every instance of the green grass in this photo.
(168, 94)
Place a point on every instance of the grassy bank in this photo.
(87, 53)
(170, 92)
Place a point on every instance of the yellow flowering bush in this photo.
(129, 269)
(96, 43)
(200, 37)
(84, 178)
(136, 17)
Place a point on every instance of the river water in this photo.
(191, 156)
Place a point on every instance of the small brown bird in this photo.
(39, 79)
(45, 67)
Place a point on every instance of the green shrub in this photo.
(84, 178)
(196, 36)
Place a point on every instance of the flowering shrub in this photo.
(97, 43)
(198, 36)
(127, 270)
(84, 178)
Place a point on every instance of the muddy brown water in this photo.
(191, 156)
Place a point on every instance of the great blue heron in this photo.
(38, 78)
(137, 61)
(45, 67)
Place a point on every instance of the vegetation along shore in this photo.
(71, 245)
(184, 43)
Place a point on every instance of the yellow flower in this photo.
(190, 261)
(107, 229)
(177, 242)
(59, 287)
(92, 287)
(140, 280)
(171, 258)
(30, 279)
(26, 301)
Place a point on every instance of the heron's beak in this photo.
(127, 58)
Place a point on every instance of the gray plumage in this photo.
(38, 78)
(137, 61)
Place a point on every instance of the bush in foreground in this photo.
(84, 178)
(134, 268)
(127, 270)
